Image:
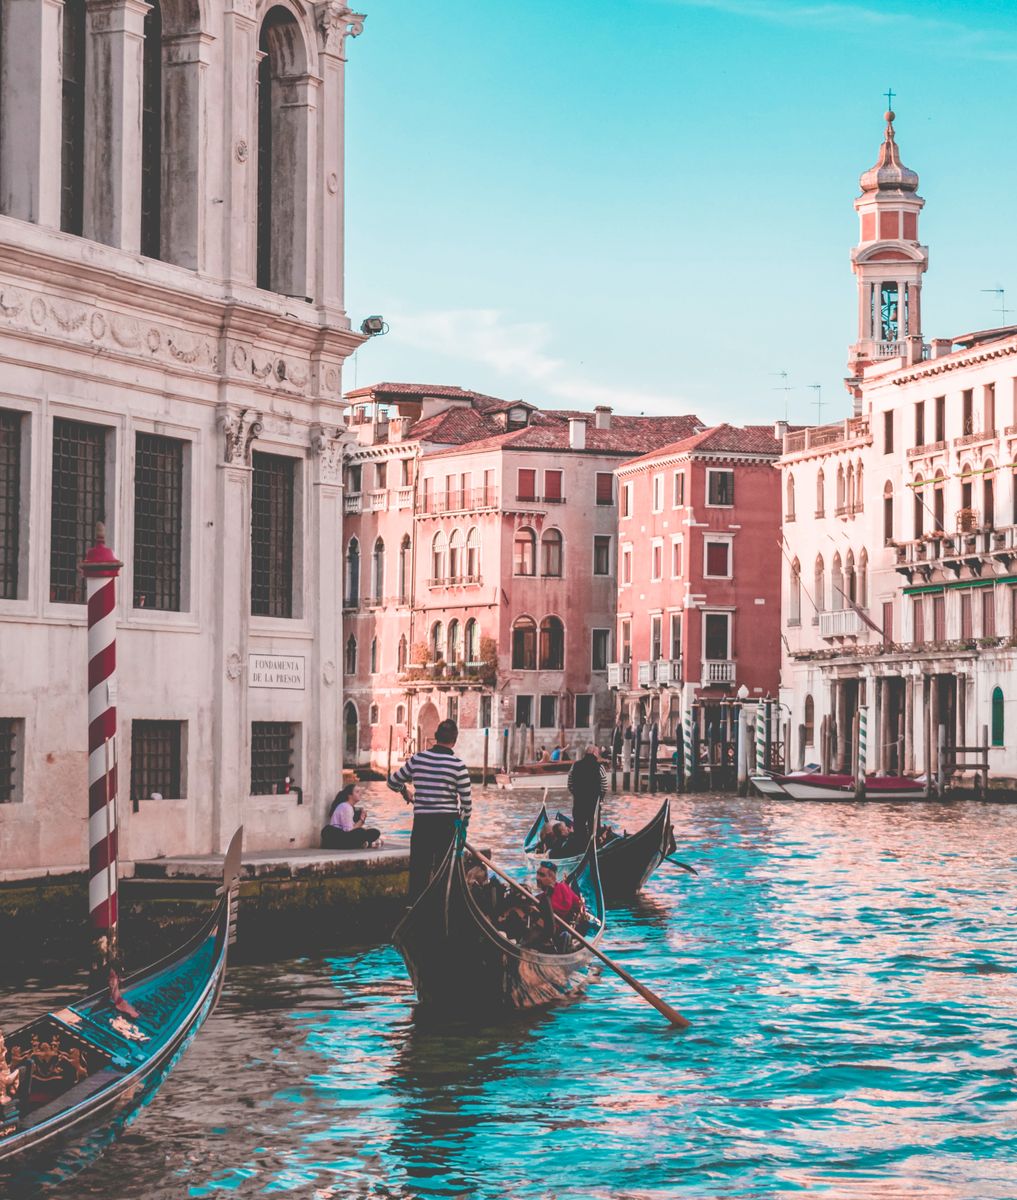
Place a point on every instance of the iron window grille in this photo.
(272, 535)
(10, 502)
(158, 521)
(79, 502)
(155, 759)
(271, 756)
(8, 759)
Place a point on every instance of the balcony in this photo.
(718, 670)
(927, 449)
(404, 497)
(843, 435)
(467, 500)
(619, 675)
(841, 623)
(352, 504)
(661, 672)
(973, 438)
(973, 546)
(455, 581)
(377, 501)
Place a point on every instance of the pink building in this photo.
(481, 551)
(698, 575)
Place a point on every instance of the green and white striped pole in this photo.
(760, 736)
(688, 763)
(860, 751)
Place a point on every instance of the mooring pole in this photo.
(941, 763)
(858, 751)
(742, 755)
(687, 763)
(388, 765)
(985, 761)
(487, 751)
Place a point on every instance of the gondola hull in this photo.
(460, 963)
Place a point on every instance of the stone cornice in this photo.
(955, 363)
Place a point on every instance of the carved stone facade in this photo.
(193, 398)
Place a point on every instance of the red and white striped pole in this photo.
(100, 569)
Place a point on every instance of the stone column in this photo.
(184, 189)
(113, 79)
(932, 721)
(30, 133)
(960, 731)
(294, 136)
(232, 741)
(909, 724)
(881, 724)
(240, 187)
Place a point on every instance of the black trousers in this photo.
(429, 842)
(333, 838)
(584, 809)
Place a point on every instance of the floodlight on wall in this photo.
(374, 326)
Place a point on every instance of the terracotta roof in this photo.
(626, 436)
(452, 426)
(720, 439)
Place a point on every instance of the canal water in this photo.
(849, 972)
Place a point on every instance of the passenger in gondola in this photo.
(564, 900)
(606, 834)
(553, 838)
(588, 785)
(486, 892)
(347, 826)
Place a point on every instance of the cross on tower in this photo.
(889, 94)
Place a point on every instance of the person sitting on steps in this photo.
(346, 828)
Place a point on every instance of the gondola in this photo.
(460, 963)
(625, 862)
(85, 1070)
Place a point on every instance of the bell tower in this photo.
(888, 262)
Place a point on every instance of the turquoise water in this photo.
(850, 976)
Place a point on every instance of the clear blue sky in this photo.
(649, 202)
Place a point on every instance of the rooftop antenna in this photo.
(1001, 293)
(818, 402)
(784, 387)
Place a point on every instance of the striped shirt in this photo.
(441, 782)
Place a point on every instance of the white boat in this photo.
(884, 788)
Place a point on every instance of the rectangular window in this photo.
(918, 618)
(451, 499)
(967, 629)
(625, 640)
(466, 489)
(552, 487)
(676, 557)
(527, 487)
(658, 493)
(406, 472)
(156, 765)
(656, 559)
(888, 433)
(920, 423)
(678, 490)
(600, 649)
(271, 756)
(939, 618)
(626, 571)
(380, 476)
(524, 710)
(676, 636)
(988, 612)
(354, 479)
(715, 635)
(548, 712)
(11, 736)
(602, 554)
(968, 410)
(720, 488)
(158, 521)
(626, 507)
(656, 635)
(10, 504)
(718, 560)
(605, 487)
(79, 502)
(429, 494)
(272, 535)
(452, 708)
(940, 405)
(887, 622)
(989, 408)
(584, 710)
(486, 711)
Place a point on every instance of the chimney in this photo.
(577, 433)
(602, 416)
(780, 431)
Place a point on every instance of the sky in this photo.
(649, 203)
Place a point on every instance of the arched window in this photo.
(810, 722)
(471, 643)
(524, 553)
(850, 581)
(351, 728)
(473, 555)
(524, 644)
(795, 594)
(151, 134)
(378, 571)
(552, 644)
(939, 501)
(859, 500)
(373, 714)
(836, 584)
(454, 651)
(841, 491)
(551, 553)
(849, 496)
(72, 118)
(887, 513)
(820, 493)
(350, 662)
(284, 96)
(919, 506)
(437, 642)
(997, 717)
(989, 496)
(862, 596)
(789, 514)
(374, 656)
(404, 569)
(353, 572)
(439, 557)
(400, 714)
(401, 654)
(455, 556)
(819, 587)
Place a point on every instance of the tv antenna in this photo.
(1001, 293)
(818, 402)
(784, 387)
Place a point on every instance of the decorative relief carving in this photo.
(328, 448)
(234, 665)
(239, 356)
(241, 150)
(38, 310)
(97, 325)
(11, 302)
(328, 673)
(239, 429)
(332, 379)
(332, 183)
(126, 332)
(337, 22)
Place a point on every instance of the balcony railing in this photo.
(970, 439)
(843, 433)
(718, 670)
(660, 672)
(454, 581)
(352, 503)
(926, 449)
(619, 675)
(466, 500)
(404, 497)
(377, 501)
(969, 547)
(841, 622)
(890, 349)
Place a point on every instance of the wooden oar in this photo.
(661, 1006)
(679, 863)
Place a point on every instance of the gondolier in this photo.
(441, 794)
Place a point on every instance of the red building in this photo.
(699, 571)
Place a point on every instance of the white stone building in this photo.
(900, 524)
(173, 332)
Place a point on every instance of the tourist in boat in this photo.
(441, 795)
(553, 837)
(347, 826)
(543, 757)
(487, 893)
(565, 902)
(588, 785)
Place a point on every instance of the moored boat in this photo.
(842, 787)
(461, 963)
(625, 862)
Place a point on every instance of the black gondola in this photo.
(460, 962)
(625, 862)
(85, 1070)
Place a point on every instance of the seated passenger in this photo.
(556, 754)
(553, 838)
(565, 902)
(346, 828)
(543, 756)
